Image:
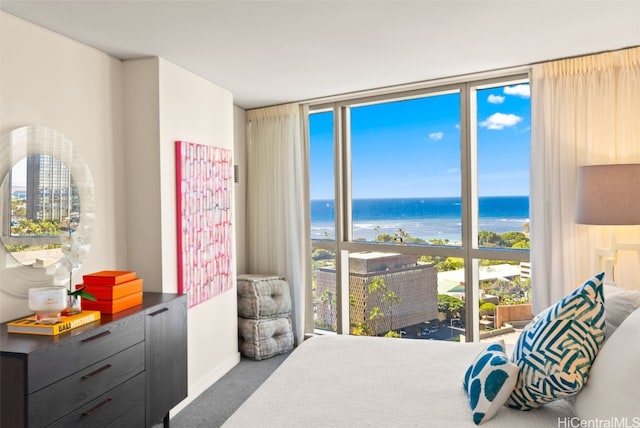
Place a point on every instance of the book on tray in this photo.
(28, 325)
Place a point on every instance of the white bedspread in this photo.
(352, 381)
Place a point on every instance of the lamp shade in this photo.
(608, 194)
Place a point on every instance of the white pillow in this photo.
(488, 381)
(619, 303)
(612, 389)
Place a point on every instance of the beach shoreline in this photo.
(423, 218)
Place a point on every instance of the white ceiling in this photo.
(272, 52)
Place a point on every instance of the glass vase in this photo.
(73, 305)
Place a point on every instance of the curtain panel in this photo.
(584, 112)
(278, 239)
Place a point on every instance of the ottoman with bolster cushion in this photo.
(264, 316)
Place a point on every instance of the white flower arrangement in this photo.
(74, 249)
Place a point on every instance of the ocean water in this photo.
(426, 218)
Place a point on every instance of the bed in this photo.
(354, 381)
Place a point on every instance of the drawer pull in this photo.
(158, 312)
(95, 372)
(96, 407)
(97, 336)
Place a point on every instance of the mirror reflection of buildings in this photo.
(42, 202)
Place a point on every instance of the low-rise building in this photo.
(415, 284)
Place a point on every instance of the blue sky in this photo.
(412, 148)
(19, 174)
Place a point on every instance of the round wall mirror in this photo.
(46, 191)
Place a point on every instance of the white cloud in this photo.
(436, 136)
(453, 170)
(495, 99)
(499, 121)
(523, 91)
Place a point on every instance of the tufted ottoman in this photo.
(264, 316)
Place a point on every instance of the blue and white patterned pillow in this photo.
(489, 381)
(555, 351)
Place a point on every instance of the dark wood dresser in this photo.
(125, 370)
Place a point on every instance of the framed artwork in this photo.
(204, 176)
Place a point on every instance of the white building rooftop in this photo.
(452, 281)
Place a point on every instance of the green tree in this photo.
(39, 228)
(510, 292)
(450, 263)
(388, 298)
(522, 244)
(451, 306)
(322, 254)
(487, 309)
(439, 241)
(399, 237)
(489, 239)
(509, 239)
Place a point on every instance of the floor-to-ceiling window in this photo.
(419, 210)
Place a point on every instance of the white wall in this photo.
(163, 104)
(142, 170)
(240, 159)
(194, 109)
(47, 79)
(124, 118)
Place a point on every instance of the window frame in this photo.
(469, 251)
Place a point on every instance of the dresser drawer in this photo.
(123, 407)
(126, 370)
(65, 357)
(60, 398)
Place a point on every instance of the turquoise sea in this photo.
(426, 218)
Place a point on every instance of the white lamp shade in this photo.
(608, 194)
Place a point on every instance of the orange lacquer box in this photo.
(113, 306)
(111, 292)
(108, 277)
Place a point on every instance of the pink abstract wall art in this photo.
(204, 180)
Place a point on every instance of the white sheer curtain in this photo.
(584, 111)
(278, 240)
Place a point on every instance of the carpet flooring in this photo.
(212, 408)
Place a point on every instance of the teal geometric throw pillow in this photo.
(555, 351)
(489, 381)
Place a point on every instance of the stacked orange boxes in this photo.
(115, 291)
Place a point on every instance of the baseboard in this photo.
(205, 382)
